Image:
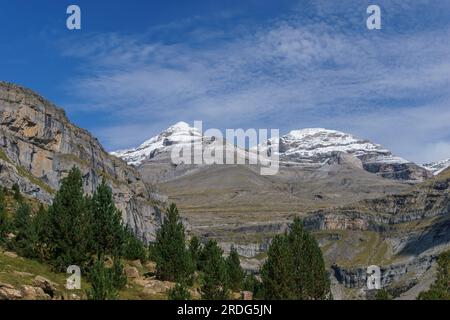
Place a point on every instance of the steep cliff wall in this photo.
(39, 145)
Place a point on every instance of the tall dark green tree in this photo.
(195, 249)
(102, 282)
(277, 273)
(118, 276)
(26, 237)
(295, 268)
(310, 276)
(69, 222)
(42, 227)
(235, 272)
(173, 260)
(215, 274)
(107, 229)
(133, 248)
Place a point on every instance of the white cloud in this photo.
(392, 88)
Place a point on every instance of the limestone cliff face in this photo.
(39, 146)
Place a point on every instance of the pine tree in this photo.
(195, 250)
(277, 273)
(173, 261)
(42, 226)
(235, 272)
(310, 274)
(133, 248)
(102, 282)
(4, 220)
(179, 292)
(26, 237)
(295, 268)
(215, 276)
(118, 276)
(107, 229)
(69, 224)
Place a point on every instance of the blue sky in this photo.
(137, 67)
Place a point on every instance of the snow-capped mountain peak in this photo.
(311, 146)
(179, 133)
(315, 145)
(437, 167)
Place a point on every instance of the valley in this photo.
(364, 205)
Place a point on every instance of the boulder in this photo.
(8, 292)
(157, 287)
(150, 266)
(33, 293)
(10, 254)
(48, 286)
(131, 272)
(247, 295)
(137, 263)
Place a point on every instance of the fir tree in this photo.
(43, 232)
(195, 250)
(173, 261)
(310, 275)
(102, 282)
(277, 273)
(70, 224)
(295, 268)
(215, 276)
(235, 272)
(118, 276)
(107, 229)
(26, 237)
(133, 248)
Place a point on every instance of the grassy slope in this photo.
(21, 271)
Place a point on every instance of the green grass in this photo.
(10, 269)
(11, 266)
(4, 157)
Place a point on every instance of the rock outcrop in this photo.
(39, 145)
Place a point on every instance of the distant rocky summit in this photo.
(39, 145)
(437, 167)
(317, 146)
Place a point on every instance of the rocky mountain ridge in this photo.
(307, 147)
(437, 167)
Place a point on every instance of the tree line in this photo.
(80, 229)
(294, 269)
(76, 229)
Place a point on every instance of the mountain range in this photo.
(312, 147)
(364, 204)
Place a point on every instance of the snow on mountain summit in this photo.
(437, 167)
(315, 145)
(311, 146)
(179, 133)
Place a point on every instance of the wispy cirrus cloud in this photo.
(303, 70)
